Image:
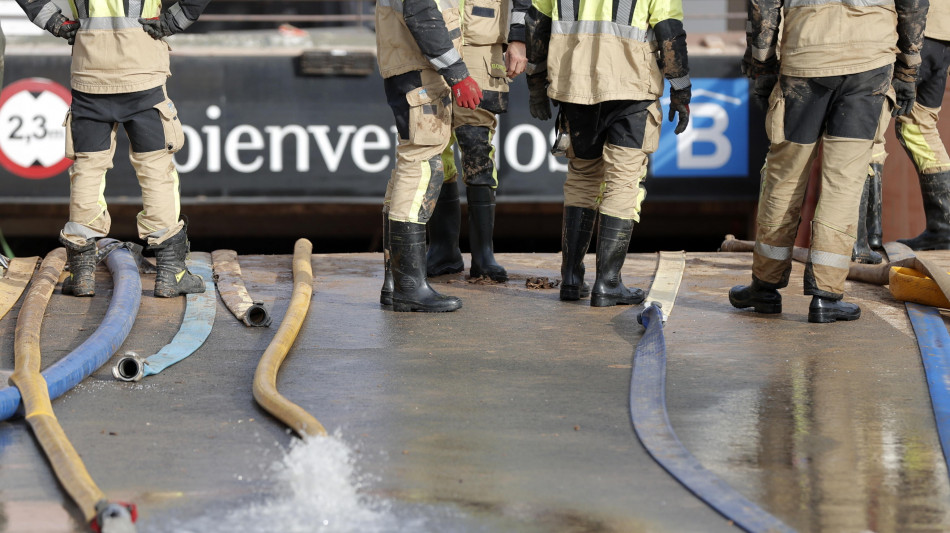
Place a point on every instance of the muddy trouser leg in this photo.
(424, 126)
(918, 134)
(854, 116)
(90, 142)
(785, 177)
(582, 196)
(444, 256)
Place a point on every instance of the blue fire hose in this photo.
(99, 347)
(652, 424)
(934, 343)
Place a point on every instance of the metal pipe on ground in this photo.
(265, 377)
(227, 276)
(66, 463)
(14, 280)
(99, 347)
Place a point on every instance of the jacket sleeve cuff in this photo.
(454, 73)
(517, 32)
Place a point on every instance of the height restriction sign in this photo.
(32, 136)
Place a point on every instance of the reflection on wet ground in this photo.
(509, 415)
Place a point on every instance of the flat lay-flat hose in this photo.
(265, 377)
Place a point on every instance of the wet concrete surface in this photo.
(507, 415)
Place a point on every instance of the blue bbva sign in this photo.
(716, 142)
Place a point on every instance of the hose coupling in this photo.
(130, 367)
(114, 517)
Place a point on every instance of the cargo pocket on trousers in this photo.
(430, 115)
(775, 118)
(68, 124)
(174, 136)
(651, 128)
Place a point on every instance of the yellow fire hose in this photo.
(26, 376)
(14, 281)
(265, 378)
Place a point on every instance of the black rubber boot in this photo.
(444, 256)
(613, 239)
(935, 188)
(411, 290)
(760, 296)
(825, 310)
(861, 252)
(874, 213)
(386, 292)
(481, 225)
(82, 268)
(172, 277)
(577, 228)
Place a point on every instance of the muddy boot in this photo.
(576, 231)
(481, 225)
(874, 214)
(935, 188)
(825, 310)
(444, 256)
(172, 277)
(82, 268)
(861, 252)
(411, 290)
(613, 239)
(760, 296)
(386, 292)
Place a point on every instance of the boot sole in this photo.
(404, 307)
(827, 316)
(442, 270)
(765, 309)
(572, 294)
(500, 277)
(175, 293)
(603, 300)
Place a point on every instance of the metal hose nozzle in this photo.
(131, 367)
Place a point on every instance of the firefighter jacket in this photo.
(113, 53)
(485, 22)
(607, 49)
(938, 21)
(836, 37)
(419, 34)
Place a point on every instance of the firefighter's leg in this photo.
(869, 229)
(847, 144)
(475, 130)
(919, 136)
(444, 256)
(582, 195)
(415, 185)
(386, 291)
(633, 131)
(90, 142)
(155, 135)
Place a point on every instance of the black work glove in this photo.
(60, 26)
(159, 27)
(905, 85)
(764, 76)
(679, 104)
(538, 102)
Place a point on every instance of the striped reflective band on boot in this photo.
(778, 253)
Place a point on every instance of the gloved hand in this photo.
(905, 85)
(538, 102)
(60, 26)
(679, 103)
(906, 96)
(159, 27)
(764, 76)
(467, 93)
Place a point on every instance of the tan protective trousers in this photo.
(833, 229)
(156, 173)
(613, 183)
(414, 184)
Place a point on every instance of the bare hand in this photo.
(515, 59)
